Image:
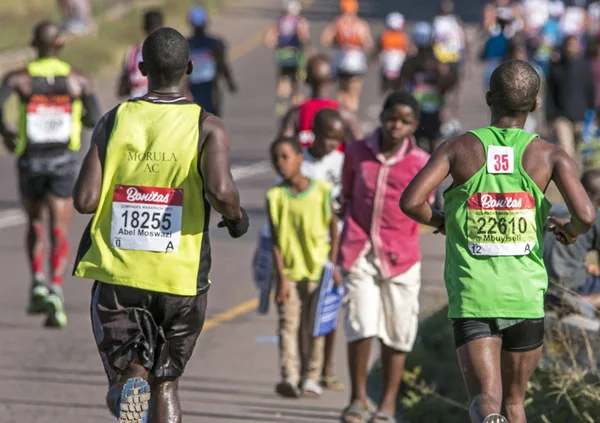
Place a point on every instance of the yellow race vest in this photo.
(150, 230)
(49, 117)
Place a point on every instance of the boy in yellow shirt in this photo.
(302, 224)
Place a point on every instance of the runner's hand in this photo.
(562, 229)
(236, 228)
(282, 294)
(337, 278)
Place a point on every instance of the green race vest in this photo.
(49, 116)
(150, 230)
(494, 235)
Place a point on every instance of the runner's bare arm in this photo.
(352, 128)
(415, 199)
(7, 88)
(328, 34)
(334, 236)
(88, 187)
(214, 167)
(368, 43)
(581, 208)
(288, 123)
(124, 87)
(90, 102)
(347, 183)
(224, 67)
(304, 32)
(271, 36)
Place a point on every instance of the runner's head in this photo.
(198, 18)
(422, 35)
(447, 7)
(48, 38)
(514, 87)
(349, 7)
(395, 21)
(399, 117)
(318, 71)
(165, 58)
(153, 19)
(293, 7)
(286, 156)
(591, 182)
(328, 128)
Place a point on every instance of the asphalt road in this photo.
(57, 377)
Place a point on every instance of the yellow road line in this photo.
(232, 313)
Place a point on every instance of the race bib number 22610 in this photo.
(146, 218)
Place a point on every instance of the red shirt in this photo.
(371, 188)
(306, 118)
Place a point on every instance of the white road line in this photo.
(16, 217)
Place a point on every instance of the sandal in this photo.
(381, 417)
(332, 383)
(354, 413)
(495, 418)
(311, 389)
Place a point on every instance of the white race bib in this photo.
(48, 123)
(391, 63)
(352, 60)
(500, 159)
(146, 218)
(205, 66)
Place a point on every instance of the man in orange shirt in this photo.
(351, 39)
(392, 49)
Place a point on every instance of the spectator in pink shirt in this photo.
(380, 254)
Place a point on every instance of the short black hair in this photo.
(514, 86)
(153, 19)
(591, 183)
(404, 99)
(166, 55)
(293, 141)
(326, 116)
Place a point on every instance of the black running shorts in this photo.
(524, 336)
(158, 331)
(47, 174)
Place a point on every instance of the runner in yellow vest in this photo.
(494, 219)
(55, 100)
(155, 167)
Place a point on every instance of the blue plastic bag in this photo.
(328, 305)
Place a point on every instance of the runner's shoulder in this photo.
(215, 127)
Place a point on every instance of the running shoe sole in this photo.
(55, 308)
(134, 402)
(495, 418)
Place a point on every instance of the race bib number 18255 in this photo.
(146, 218)
(501, 224)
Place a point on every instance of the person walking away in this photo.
(55, 102)
(380, 255)
(570, 93)
(300, 119)
(428, 80)
(209, 55)
(494, 219)
(392, 49)
(303, 224)
(290, 37)
(569, 275)
(450, 47)
(350, 37)
(132, 83)
(147, 244)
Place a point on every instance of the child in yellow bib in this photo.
(302, 224)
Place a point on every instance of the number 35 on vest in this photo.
(146, 218)
(500, 159)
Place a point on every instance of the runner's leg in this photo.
(35, 253)
(358, 364)
(392, 367)
(354, 90)
(517, 368)
(480, 365)
(164, 405)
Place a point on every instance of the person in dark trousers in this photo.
(570, 94)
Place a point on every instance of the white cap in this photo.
(293, 7)
(395, 21)
(556, 8)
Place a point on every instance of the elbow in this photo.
(222, 193)
(85, 204)
(407, 205)
(588, 217)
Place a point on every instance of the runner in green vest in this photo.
(494, 217)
